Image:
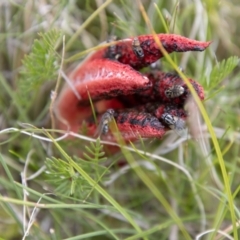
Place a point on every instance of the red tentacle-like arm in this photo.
(105, 79)
(102, 79)
(123, 50)
(110, 77)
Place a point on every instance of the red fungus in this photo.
(144, 105)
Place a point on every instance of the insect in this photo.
(174, 91)
(175, 123)
(112, 50)
(142, 104)
(137, 48)
(103, 127)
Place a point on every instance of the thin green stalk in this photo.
(96, 186)
(78, 207)
(87, 51)
(155, 191)
(14, 98)
(161, 18)
(148, 182)
(206, 119)
(86, 23)
(10, 177)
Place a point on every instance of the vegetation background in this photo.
(177, 189)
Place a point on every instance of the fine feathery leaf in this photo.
(62, 174)
(219, 72)
(95, 152)
(42, 63)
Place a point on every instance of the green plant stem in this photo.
(206, 119)
(96, 186)
(86, 23)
